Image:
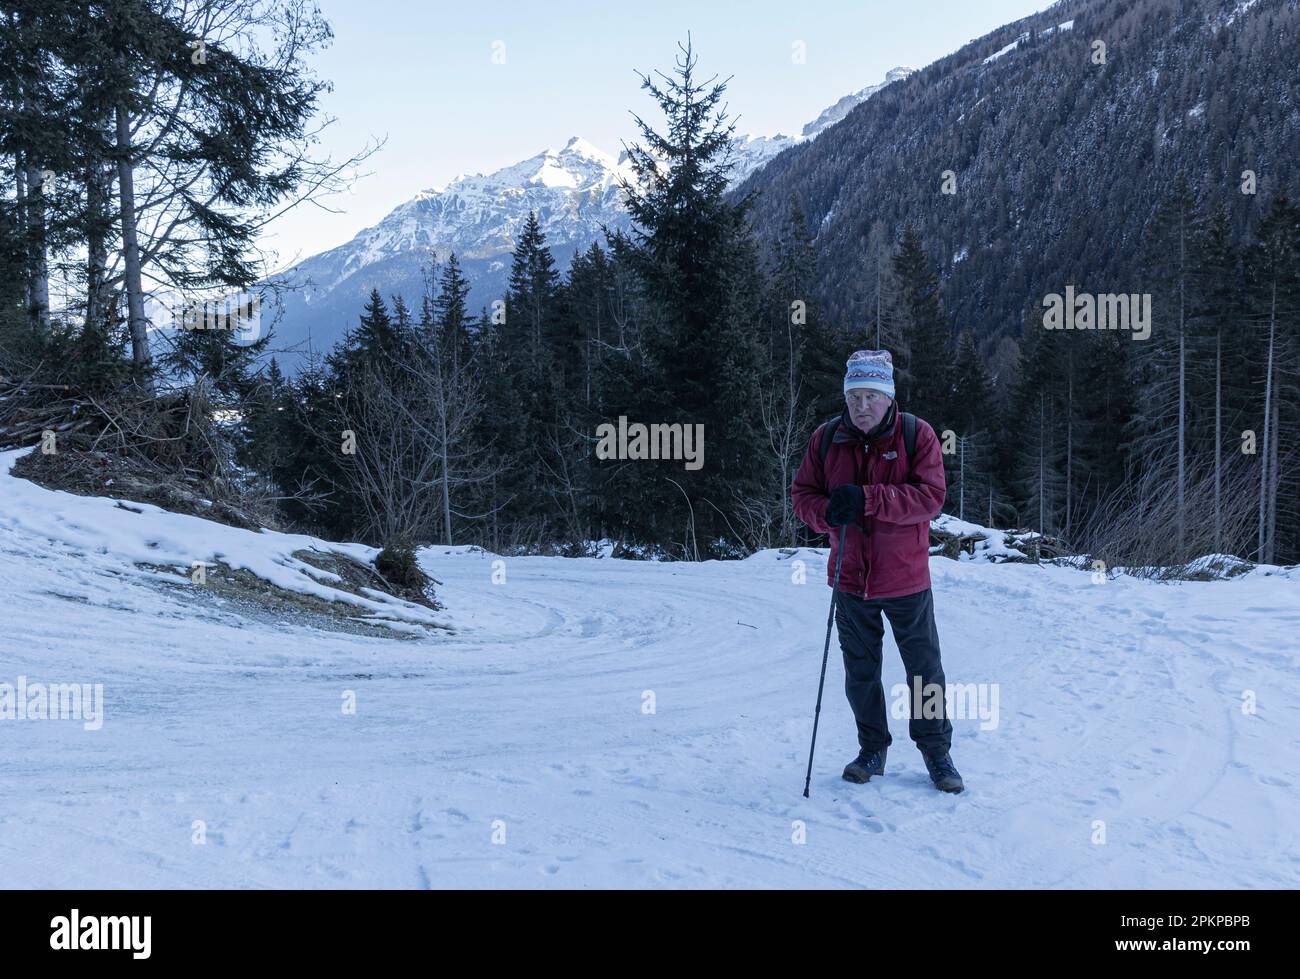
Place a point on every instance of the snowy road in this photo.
(518, 752)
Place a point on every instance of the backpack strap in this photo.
(909, 437)
(828, 435)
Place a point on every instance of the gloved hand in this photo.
(846, 504)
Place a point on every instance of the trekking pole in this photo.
(830, 617)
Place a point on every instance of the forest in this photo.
(139, 164)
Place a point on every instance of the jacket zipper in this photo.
(866, 556)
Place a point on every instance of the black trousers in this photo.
(911, 618)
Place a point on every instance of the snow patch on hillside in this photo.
(1059, 28)
(129, 534)
(1238, 11)
(1008, 49)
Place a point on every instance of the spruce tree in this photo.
(376, 343)
(970, 467)
(924, 371)
(1037, 468)
(531, 300)
(449, 312)
(704, 361)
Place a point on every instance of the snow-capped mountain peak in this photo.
(582, 149)
(574, 190)
(845, 105)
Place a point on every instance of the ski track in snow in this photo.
(1118, 702)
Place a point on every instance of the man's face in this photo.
(867, 407)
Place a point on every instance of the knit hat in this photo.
(870, 369)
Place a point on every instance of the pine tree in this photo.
(219, 344)
(588, 320)
(924, 377)
(500, 431)
(449, 312)
(970, 467)
(1101, 395)
(447, 386)
(881, 329)
(531, 300)
(266, 421)
(972, 389)
(526, 395)
(1034, 417)
(802, 353)
(377, 343)
(698, 266)
(309, 469)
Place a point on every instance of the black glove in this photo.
(846, 505)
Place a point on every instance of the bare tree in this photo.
(884, 325)
(784, 421)
(447, 400)
(564, 457)
(388, 468)
(1135, 526)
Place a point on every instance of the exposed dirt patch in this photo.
(87, 472)
(255, 598)
(357, 576)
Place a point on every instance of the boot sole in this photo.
(857, 779)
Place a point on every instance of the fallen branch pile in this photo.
(164, 449)
(174, 430)
(1034, 546)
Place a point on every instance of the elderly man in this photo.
(878, 470)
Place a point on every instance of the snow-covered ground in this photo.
(598, 723)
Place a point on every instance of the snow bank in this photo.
(140, 533)
(646, 724)
(996, 546)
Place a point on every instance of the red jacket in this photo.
(887, 552)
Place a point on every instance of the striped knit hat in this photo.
(870, 369)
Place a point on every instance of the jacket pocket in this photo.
(855, 560)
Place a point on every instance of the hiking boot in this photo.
(943, 773)
(868, 763)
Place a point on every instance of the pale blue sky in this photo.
(422, 74)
